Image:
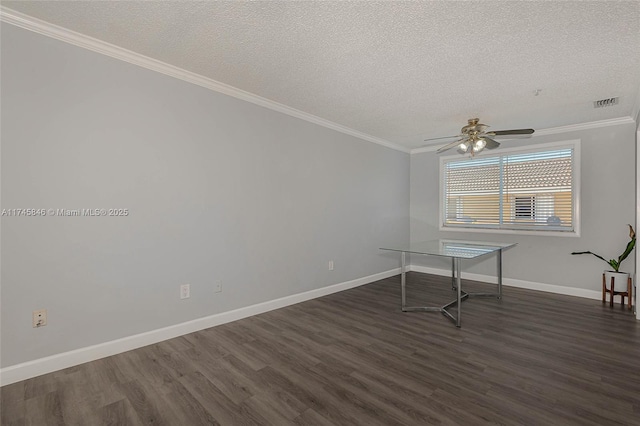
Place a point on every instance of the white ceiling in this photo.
(399, 71)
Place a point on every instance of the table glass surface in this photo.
(461, 249)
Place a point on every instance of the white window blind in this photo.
(522, 191)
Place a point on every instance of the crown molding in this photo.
(552, 131)
(430, 148)
(30, 23)
(584, 126)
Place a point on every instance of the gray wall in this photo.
(217, 189)
(607, 204)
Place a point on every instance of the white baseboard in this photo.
(37, 367)
(27, 370)
(512, 282)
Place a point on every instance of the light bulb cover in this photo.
(479, 145)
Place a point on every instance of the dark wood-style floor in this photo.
(352, 358)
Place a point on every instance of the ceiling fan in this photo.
(474, 137)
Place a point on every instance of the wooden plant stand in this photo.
(611, 290)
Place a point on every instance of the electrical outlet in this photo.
(185, 291)
(331, 265)
(39, 318)
(217, 287)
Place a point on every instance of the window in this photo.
(515, 190)
(525, 207)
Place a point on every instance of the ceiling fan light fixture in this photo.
(475, 137)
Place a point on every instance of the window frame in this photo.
(575, 190)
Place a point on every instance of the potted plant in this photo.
(619, 277)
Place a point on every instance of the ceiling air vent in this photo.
(606, 102)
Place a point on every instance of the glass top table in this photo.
(456, 250)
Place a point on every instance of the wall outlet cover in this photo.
(39, 318)
(185, 291)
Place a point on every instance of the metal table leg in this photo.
(499, 254)
(403, 280)
(453, 273)
(403, 284)
(499, 293)
(459, 291)
(460, 296)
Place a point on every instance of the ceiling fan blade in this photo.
(444, 137)
(511, 132)
(491, 144)
(449, 146)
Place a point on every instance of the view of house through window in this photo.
(522, 191)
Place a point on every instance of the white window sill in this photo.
(571, 234)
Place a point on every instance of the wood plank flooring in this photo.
(352, 358)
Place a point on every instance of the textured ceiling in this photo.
(400, 71)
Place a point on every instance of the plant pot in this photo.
(619, 280)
